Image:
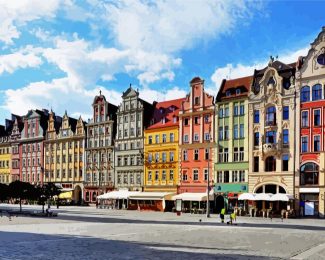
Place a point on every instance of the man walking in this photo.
(222, 215)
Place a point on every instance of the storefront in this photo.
(229, 192)
(155, 201)
(194, 202)
(309, 202)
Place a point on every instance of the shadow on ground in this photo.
(19, 245)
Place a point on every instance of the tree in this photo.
(21, 190)
(4, 192)
(50, 190)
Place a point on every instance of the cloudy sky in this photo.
(59, 53)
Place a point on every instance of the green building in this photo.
(231, 132)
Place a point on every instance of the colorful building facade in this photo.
(272, 130)
(310, 179)
(15, 143)
(5, 155)
(31, 148)
(64, 155)
(196, 126)
(231, 134)
(99, 167)
(133, 116)
(161, 153)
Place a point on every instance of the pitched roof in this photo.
(243, 83)
(168, 110)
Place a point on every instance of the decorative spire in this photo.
(100, 92)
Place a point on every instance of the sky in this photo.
(58, 54)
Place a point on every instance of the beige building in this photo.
(64, 155)
(272, 130)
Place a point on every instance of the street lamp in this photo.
(208, 184)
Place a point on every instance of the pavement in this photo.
(90, 233)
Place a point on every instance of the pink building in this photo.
(15, 140)
(196, 138)
(31, 148)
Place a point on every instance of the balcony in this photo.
(270, 123)
(270, 148)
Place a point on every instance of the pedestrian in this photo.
(232, 218)
(96, 204)
(222, 215)
(57, 203)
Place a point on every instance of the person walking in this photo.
(222, 215)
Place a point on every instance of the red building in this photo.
(196, 138)
(31, 148)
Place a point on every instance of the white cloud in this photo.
(172, 25)
(16, 13)
(151, 95)
(232, 71)
(11, 62)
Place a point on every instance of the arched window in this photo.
(305, 94)
(317, 92)
(270, 164)
(271, 116)
(309, 174)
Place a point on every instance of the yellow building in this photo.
(5, 159)
(161, 168)
(64, 155)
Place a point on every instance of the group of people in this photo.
(232, 216)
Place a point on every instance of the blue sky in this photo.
(59, 53)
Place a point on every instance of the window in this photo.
(285, 162)
(236, 110)
(235, 131)
(164, 138)
(271, 137)
(196, 120)
(309, 174)
(321, 59)
(220, 133)
(196, 154)
(236, 154)
(225, 157)
(219, 176)
(270, 164)
(185, 138)
(317, 117)
(270, 116)
(242, 176)
(197, 101)
(171, 175)
(304, 144)
(317, 92)
(226, 176)
(186, 121)
(305, 94)
(285, 137)
(163, 175)
(220, 155)
(207, 136)
(241, 154)
(316, 143)
(238, 91)
(241, 131)
(256, 139)
(226, 111)
(164, 157)
(206, 119)
(256, 116)
(221, 113)
(157, 139)
(171, 156)
(149, 158)
(156, 175)
(206, 157)
(205, 174)
(157, 157)
(196, 137)
(228, 93)
(242, 110)
(184, 176)
(304, 119)
(285, 113)
(234, 176)
(256, 164)
(195, 175)
(171, 137)
(226, 132)
(185, 157)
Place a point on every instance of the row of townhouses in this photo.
(264, 133)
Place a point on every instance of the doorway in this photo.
(220, 203)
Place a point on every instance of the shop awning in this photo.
(246, 196)
(263, 196)
(188, 196)
(151, 196)
(281, 197)
(66, 195)
(117, 194)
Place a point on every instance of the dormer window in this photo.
(197, 101)
(271, 81)
(238, 91)
(228, 93)
(172, 108)
(174, 119)
(161, 110)
(163, 120)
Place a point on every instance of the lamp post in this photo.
(208, 184)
